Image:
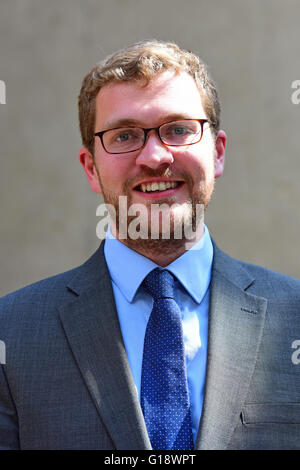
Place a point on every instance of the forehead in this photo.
(168, 94)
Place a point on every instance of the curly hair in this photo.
(142, 61)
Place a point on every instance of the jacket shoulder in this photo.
(55, 290)
(261, 281)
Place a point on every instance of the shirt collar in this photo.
(128, 268)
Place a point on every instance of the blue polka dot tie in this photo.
(164, 392)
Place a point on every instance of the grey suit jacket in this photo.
(66, 382)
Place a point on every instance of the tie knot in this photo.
(159, 284)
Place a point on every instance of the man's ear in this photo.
(220, 144)
(87, 161)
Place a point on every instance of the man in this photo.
(159, 340)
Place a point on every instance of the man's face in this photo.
(167, 97)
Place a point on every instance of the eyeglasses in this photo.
(129, 139)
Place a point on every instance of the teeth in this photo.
(158, 186)
(153, 186)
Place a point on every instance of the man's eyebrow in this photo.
(120, 123)
(135, 122)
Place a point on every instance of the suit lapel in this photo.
(235, 330)
(92, 329)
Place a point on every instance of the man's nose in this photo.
(154, 153)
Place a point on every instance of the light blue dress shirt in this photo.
(193, 269)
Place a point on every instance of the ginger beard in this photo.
(185, 215)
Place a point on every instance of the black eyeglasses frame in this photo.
(147, 130)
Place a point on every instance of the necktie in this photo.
(164, 392)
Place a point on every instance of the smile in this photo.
(157, 186)
(162, 186)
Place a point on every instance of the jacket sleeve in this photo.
(9, 433)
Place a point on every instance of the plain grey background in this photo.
(48, 212)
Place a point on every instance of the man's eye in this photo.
(180, 130)
(124, 137)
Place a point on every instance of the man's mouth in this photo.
(157, 186)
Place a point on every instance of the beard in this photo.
(187, 215)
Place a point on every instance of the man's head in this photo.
(142, 62)
(157, 84)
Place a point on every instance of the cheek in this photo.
(113, 173)
(195, 163)
(201, 161)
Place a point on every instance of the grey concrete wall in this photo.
(48, 218)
